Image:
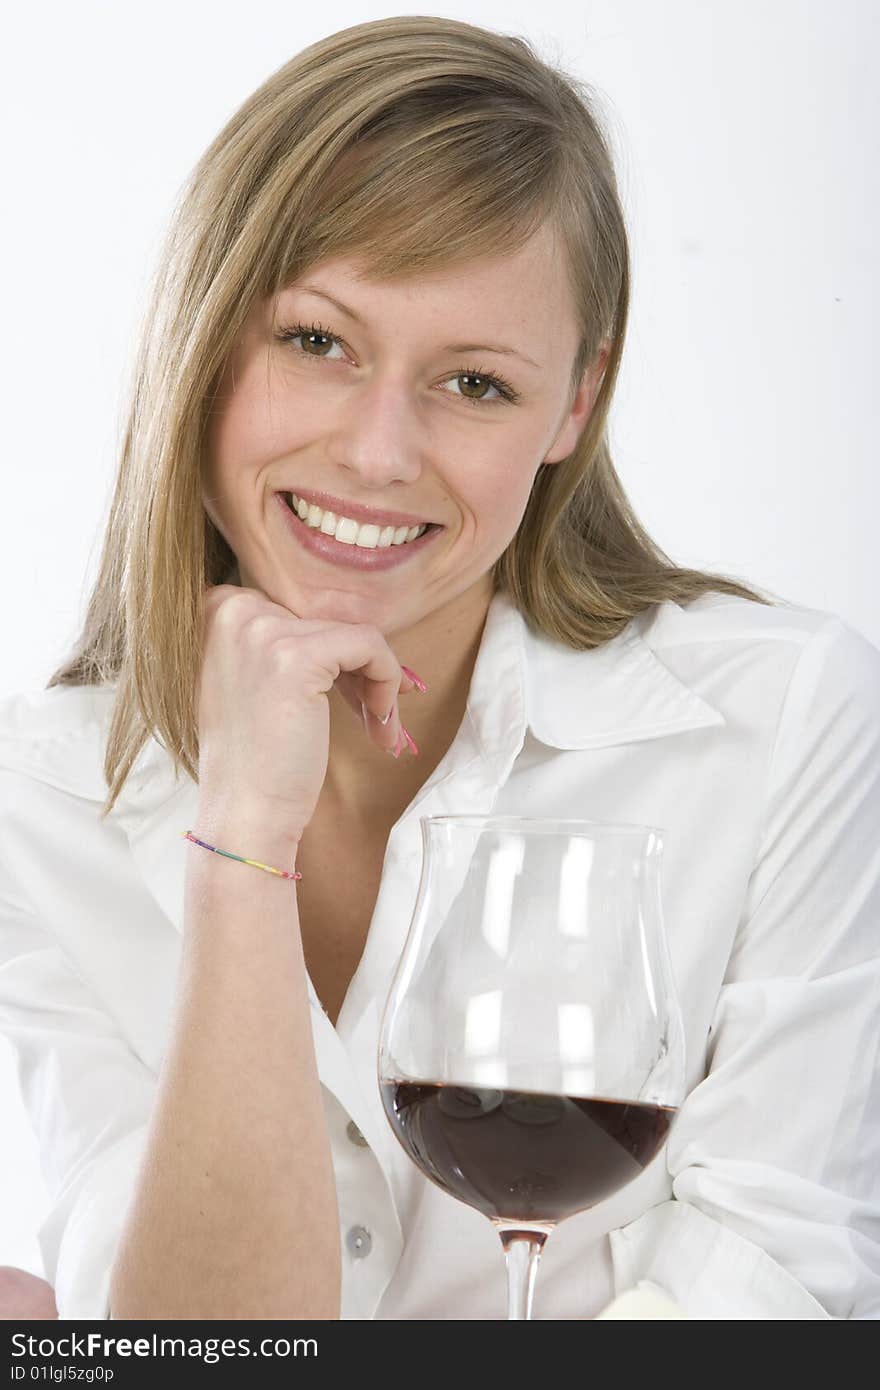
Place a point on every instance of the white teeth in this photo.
(367, 535)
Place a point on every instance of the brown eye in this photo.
(316, 341)
(310, 335)
(309, 341)
(475, 377)
(481, 381)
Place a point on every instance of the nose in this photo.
(378, 438)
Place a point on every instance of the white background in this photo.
(744, 426)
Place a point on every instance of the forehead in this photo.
(538, 261)
(510, 293)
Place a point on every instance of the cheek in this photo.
(500, 495)
(245, 436)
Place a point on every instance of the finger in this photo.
(360, 694)
(366, 672)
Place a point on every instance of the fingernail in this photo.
(410, 740)
(416, 680)
(375, 716)
(395, 751)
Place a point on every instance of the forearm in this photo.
(235, 1215)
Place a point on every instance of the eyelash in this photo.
(507, 393)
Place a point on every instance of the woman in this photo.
(394, 296)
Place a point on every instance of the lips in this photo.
(363, 558)
(359, 512)
(382, 525)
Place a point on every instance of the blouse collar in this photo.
(523, 683)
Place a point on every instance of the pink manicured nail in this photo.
(410, 740)
(416, 680)
(395, 751)
(375, 716)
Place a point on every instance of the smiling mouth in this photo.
(365, 535)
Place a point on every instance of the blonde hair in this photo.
(407, 141)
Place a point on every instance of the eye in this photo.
(496, 383)
(505, 393)
(307, 332)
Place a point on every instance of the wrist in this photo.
(249, 830)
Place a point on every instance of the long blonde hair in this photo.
(408, 141)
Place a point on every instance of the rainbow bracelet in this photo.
(255, 863)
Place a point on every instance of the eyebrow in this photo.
(451, 347)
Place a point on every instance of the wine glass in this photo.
(531, 1051)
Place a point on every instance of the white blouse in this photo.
(750, 734)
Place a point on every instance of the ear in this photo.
(581, 408)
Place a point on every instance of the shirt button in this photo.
(359, 1242)
(355, 1135)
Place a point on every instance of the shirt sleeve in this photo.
(775, 1155)
(88, 1097)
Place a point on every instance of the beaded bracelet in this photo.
(255, 863)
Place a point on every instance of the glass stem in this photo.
(522, 1249)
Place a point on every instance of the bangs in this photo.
(442, 196)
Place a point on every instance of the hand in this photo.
(264, 718)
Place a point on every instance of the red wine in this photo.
(524, 1155)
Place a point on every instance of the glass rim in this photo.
(537, 824)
